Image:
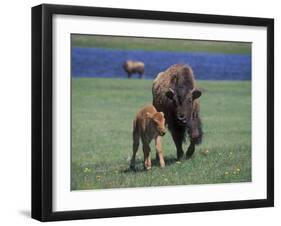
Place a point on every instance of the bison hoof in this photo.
(162, 165)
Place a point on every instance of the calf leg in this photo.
(136, 138)
(146, 153)
(159, 151)
(156, 154)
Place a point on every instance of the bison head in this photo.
(182, 103)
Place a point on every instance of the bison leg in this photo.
(178, 137)
(159, 151)
(190, 150)
(140, 75)
(146, 153)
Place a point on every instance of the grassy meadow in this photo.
(102, 115)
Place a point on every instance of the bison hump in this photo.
(178, 75)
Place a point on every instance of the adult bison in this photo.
(175, 94)
(134, 67)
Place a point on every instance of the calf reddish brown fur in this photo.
(148, 125)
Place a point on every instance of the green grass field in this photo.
(180, 45)
(102, 114)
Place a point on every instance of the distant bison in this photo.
(175, 94)
(148, 125)
(134, 67)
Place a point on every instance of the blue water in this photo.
(103, 62)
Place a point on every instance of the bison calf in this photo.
(134, 67)
(148, 125)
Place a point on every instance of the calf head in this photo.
(182, 99)
(158, 121)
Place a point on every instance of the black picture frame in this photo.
(42, 106)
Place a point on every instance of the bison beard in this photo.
(180, 133)
(174, 93)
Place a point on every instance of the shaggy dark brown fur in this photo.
(175, 94)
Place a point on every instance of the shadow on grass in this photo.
(169, 160)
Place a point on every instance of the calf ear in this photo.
(157, 116)
(196, 93)
(170, 93)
